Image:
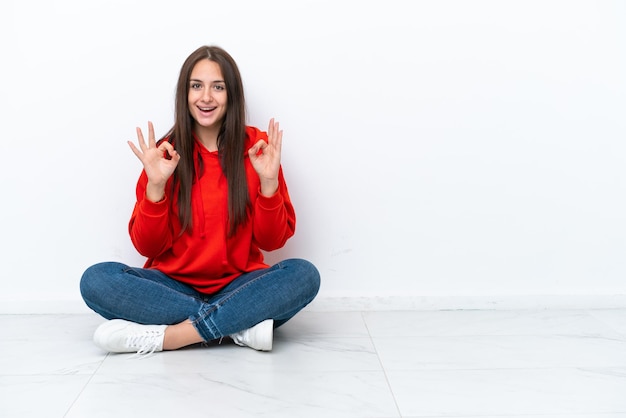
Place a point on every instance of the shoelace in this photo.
(146, 342)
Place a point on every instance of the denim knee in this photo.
(92, 280)
(87, 282)
(308, 275)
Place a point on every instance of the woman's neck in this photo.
(207, 136)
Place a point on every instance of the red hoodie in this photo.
(205, 258)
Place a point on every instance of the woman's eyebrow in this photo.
(201, 81)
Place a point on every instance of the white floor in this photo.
(349, 364)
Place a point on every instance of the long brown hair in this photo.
(230, 141)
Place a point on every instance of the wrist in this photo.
(269, 187)
(155, 193)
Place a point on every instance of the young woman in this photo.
(211, 196)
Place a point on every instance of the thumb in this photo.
(257, 148)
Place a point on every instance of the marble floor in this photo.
(542, 364)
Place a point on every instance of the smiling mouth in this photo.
(207, 109)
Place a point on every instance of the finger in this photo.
(257, 148)
(140, 140)
(173, 155)
(276, 136)
(278, 143)
(166, 147)
(151, 140)
(276, 132)
(272, 131)
(135, 150)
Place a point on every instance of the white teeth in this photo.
(205, 109)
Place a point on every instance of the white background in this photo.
(439, 153)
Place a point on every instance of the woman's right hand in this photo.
(158, 168)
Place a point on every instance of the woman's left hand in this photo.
(265, 158)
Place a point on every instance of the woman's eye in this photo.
(195, 86)
(220, 87)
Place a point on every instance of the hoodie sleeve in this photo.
(149, 225)
(274, 217)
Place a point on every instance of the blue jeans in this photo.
(147, 296)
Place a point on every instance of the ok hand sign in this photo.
(157, 166)
(265, 158)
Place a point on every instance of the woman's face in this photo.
(207, 96)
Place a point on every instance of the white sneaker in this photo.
(120, 336)
(259, 337)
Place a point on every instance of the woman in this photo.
(211, 196)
